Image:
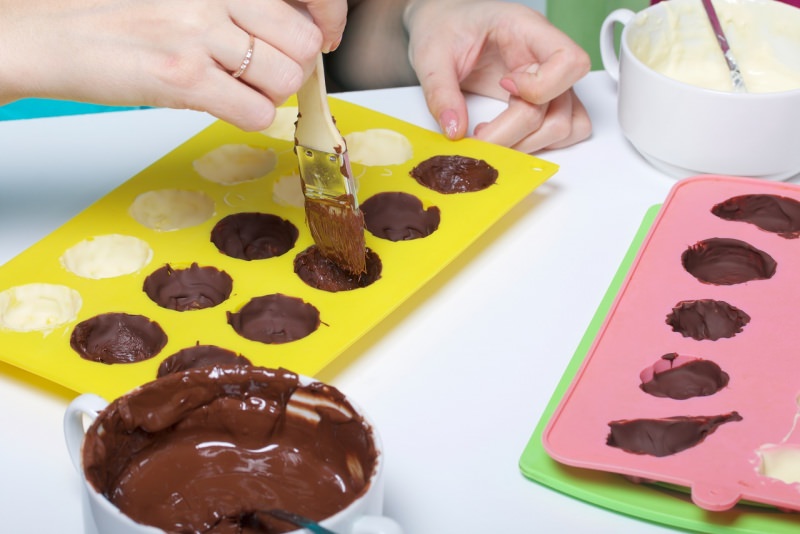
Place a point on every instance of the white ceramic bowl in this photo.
(362, 516)
(684, 128)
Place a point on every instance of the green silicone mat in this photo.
(650, 502)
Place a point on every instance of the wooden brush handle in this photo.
(315, 127)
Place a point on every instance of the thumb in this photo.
(446, 102)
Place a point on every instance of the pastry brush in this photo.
(331, 204)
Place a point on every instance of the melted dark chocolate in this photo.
(772, 213)
(203, 450)
(117, 338)
(399, 216)
(663, 437)
(275, 319)
(193, 288)
(683, 378)
(338, 231)
(726, 261)
(706, 319)
(454, 174)
(254, 236)
(321, 273)
(200, 356)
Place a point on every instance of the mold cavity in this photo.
(200, 356)
(319, 272)
(771, 213)
(166, 210)
(107, 256)
(235, 163)
(38, 307)
(727, 261)
(398, 216)
(682, 377)
(117, 338)
(193, 288)
(275, 319)
(254, 236)
(706, 319)
(454, 174)
(665, 436)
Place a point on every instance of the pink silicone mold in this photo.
(762, 360)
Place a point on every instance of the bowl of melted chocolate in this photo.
(209, 449)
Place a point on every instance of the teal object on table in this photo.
(32, 108)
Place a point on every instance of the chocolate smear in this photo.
(727, 261)
(663, 437)
(771, 213)
(706, 319)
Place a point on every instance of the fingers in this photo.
(440, 85)
(330, 16)
(559, 70)
(530, 128)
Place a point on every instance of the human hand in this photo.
(502, 50)
(166, 53)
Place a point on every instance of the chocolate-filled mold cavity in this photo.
(200, 451)
(232, 163)
(665, 436)
(275, 319)
(254, 236)
(707, 319)
(682, 377)
(454, 174)
(113, 338)
(166, 210)
(399, 216)
(200, 356)
(726, 261)
(107, 256)
(771, 213)
(192, 288)
(320, 272)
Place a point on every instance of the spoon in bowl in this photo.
(297, 520)
(733, 66)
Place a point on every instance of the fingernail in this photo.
(509, 85)
(448, 121)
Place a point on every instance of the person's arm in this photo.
(166, 53)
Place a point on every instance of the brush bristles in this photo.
(338, 230)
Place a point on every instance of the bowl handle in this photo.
(608, 49)
(83, 408)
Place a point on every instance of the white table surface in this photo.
(457, 384)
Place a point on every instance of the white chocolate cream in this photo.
(282, 126)
(764, 36)
(33, 307)
(234, 163)
(165, 210)
(378, 147)
(107, 256)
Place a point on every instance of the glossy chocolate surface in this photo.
(771, 213)
(399, 216)
(454, 174)
(682, 378)
(663, 437)
(200, 356)
(193, 288)
(117, 338)
(707, 319)
(204, 450)
(275, 319)
(727, 261)
(322, 273)
(254, 236)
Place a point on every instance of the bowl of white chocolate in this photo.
(677, 104)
